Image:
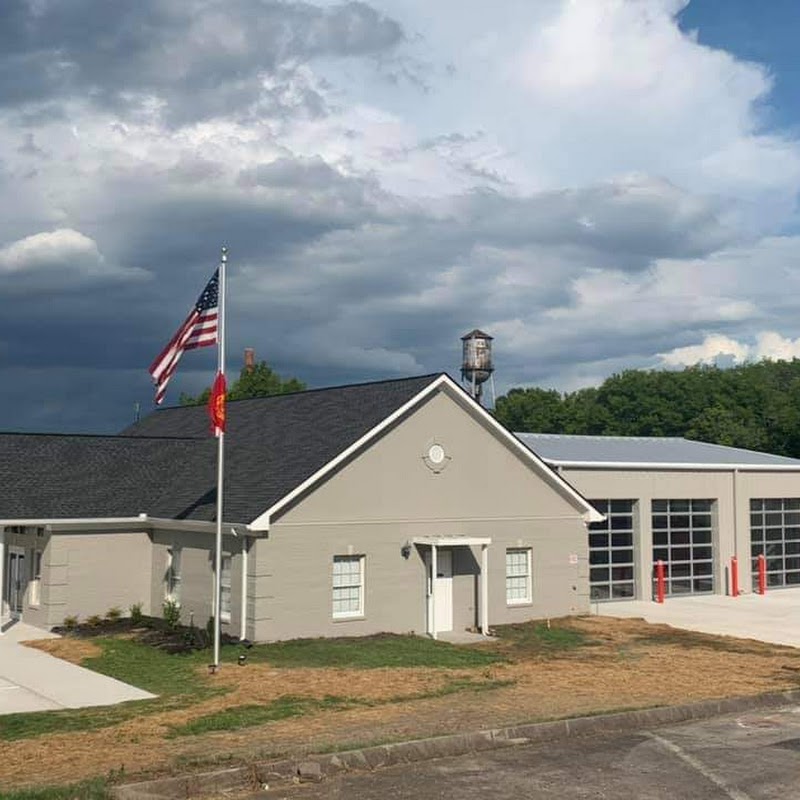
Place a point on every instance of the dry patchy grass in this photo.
(622, 664)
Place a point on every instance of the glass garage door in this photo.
(683, 540)
(775, 534)
(611, 551)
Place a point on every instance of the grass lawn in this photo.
(180, 681)
(325, 694)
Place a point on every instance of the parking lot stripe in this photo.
(698, 765)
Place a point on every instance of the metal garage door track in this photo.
(773, 617)
(31, 680)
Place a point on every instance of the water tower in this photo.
(476, 363)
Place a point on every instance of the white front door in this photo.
(17, 583)
(442, 586)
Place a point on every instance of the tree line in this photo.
(755, 406)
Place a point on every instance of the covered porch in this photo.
(438, 556)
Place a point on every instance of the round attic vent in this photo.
(436, 454)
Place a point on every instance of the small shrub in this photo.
(113, 614)
(70, 622)
(94, 621)
(136, 613)
(171, 611)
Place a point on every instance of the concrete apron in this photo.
(31, 680)
(312, 768)
(773, 617)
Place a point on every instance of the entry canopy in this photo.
(451, 541)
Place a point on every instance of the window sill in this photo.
(350, 618)
(519, 603)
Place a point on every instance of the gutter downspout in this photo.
(243, 622)
(2, 577)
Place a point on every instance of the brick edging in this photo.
(315, 767)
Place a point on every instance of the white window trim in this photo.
(225, 616)
(528, 599)
(359, 614)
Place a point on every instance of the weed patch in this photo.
(531, 639)
(88, 790)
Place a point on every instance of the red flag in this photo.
(216, 405)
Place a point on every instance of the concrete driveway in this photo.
(31, 680)
(773, 617)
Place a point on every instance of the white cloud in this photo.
(62, 254)
(715, 347)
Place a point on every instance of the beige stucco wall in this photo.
(197, 576)
(385, 497)
(732, 491)
(89, 573)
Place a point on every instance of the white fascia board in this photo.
(140, 522)
(261, 523)
(590, 514)
(80, 523)
(656, 467)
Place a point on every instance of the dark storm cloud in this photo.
(201, 58)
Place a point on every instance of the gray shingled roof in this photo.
(561, 449)
(272, 444)
(49, 476)
(165, 465)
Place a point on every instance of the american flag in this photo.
(198, 330)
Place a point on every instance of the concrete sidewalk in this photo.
(773, 617)
(31, 680)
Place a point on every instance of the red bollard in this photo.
(734, 576)
(660, 584)
(762, 574)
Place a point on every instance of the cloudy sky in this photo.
(600, 184)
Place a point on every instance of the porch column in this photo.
(433, 591)
(2, 577)
(485, 589)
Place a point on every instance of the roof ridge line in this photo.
(316, 389)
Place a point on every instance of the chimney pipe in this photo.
(249, 359)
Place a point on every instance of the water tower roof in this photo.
(476, 334)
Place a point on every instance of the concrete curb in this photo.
(316, 767)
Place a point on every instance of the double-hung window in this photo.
(173, 575)
(348, 586)
(518, 575)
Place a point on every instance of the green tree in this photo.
(755, 406)
(261, 381)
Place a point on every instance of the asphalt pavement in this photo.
(750, 756)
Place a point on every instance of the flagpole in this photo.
(220, 465)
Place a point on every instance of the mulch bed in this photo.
(152, 631)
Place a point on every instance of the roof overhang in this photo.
(444, 381)
(137, 523)
(451, 541)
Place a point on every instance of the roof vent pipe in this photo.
(249, 359)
